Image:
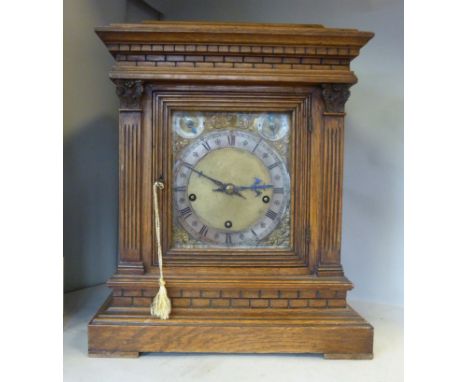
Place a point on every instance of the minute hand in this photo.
(215, 181)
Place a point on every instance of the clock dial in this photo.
(188, 126)
(273, 127)
(232, 188)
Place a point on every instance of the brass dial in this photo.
(231, 188)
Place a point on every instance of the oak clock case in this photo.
(244, 125)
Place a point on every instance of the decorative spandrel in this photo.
(231, 182)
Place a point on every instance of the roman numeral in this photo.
(231, 140)
(278, 190)
(180, 189)
(271, 214)
(185, 212)
(206, 146)
(272, 166)
(203, 231)
(228, 238)
(254, 233)
(255, 148)
(187, 165)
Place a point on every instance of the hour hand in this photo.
(235, 192)
(230, 189)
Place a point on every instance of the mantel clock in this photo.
(243, 125)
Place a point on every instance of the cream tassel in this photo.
(161, 305)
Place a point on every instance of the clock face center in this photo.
(229, 189)
(217, 178)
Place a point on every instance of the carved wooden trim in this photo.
(165, 100)
(232, 60)
(304, 50)
(129, 92)
(235, 298)
(335, 97)
(302, 55)
(130, 191)
(243, 37)
(332, 187)
(131, 268)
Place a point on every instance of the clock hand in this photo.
(227, 188)
(256, 186)
(235, 192)
(200, 173)
(230, 189)
(253, 188)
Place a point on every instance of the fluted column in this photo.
(334, 98)
(130, 143)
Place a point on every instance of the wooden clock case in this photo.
(262, 301)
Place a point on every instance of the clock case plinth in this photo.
(291, 301)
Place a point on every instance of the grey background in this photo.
(372, 249)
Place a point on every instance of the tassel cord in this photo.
(161, 305)
(157, 225)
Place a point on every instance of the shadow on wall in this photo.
(372, 242)
(90, 203)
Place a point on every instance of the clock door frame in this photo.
(160, 101)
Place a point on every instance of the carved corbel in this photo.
(129, 92)
(335, 96)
